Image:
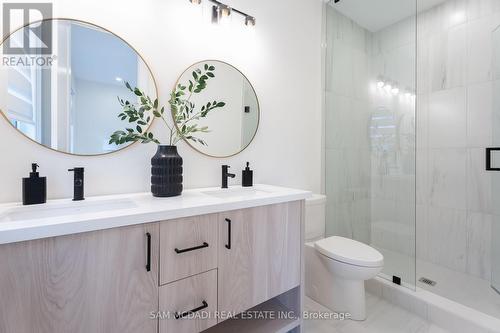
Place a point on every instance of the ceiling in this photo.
(375, 15)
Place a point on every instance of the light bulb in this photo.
(225, 11)
(388, 87)
(395, 90)
(249, 21)
(380, 84)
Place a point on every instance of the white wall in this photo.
(281, 58)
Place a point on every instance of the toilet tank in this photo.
(315, 217)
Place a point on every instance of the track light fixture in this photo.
(220, 10)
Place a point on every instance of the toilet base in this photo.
(337, 294)
(349, 298)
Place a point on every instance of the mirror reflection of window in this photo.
(23, 95)
(97, 79)
(72, 106)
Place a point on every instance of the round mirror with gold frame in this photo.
(61, 81)
(220, 102)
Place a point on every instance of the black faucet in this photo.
(78, 184)
(225, 175)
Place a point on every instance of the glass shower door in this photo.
(370, 128)
(493, 165)
(495, 227)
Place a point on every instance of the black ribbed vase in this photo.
(166, 172)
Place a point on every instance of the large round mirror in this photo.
(60, 81)
(218, 101)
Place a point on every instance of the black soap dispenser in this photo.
(247, 176)
(34, 188)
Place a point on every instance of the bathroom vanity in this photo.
(134, 263)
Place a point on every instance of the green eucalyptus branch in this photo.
(184, 112)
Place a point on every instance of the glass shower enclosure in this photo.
(370, 137)
(493, 164)
(412, 106)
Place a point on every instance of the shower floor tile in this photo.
(383, 317)
(463, 288)
(468, 290)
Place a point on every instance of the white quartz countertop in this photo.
(64, 217)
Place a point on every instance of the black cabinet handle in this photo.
(148, 263)
(488, 159)
(228, 245)
(204, 245)
(187, 313)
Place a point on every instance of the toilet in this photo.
(336, 267)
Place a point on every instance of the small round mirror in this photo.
(221, 102)
(60, 81)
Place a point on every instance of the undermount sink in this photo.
(63, 209)
(236, 192)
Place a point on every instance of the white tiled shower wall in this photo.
(348, 157)
(455, 122)
(455, 90)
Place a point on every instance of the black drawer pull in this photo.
(488, 159)
(204, 245)
(228, 245)
(187, 313)
(148, 263)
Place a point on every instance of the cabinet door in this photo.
(90, 282)
(264, 256)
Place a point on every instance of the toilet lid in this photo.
(349, 251)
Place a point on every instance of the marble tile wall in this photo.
(455, 116)
(348, 159)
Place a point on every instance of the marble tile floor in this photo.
(383, 317)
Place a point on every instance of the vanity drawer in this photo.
(187, 304)
(188, 246)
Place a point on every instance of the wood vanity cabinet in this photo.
(115, 280)
(90, 282)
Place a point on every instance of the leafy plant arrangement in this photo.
(184, 111)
